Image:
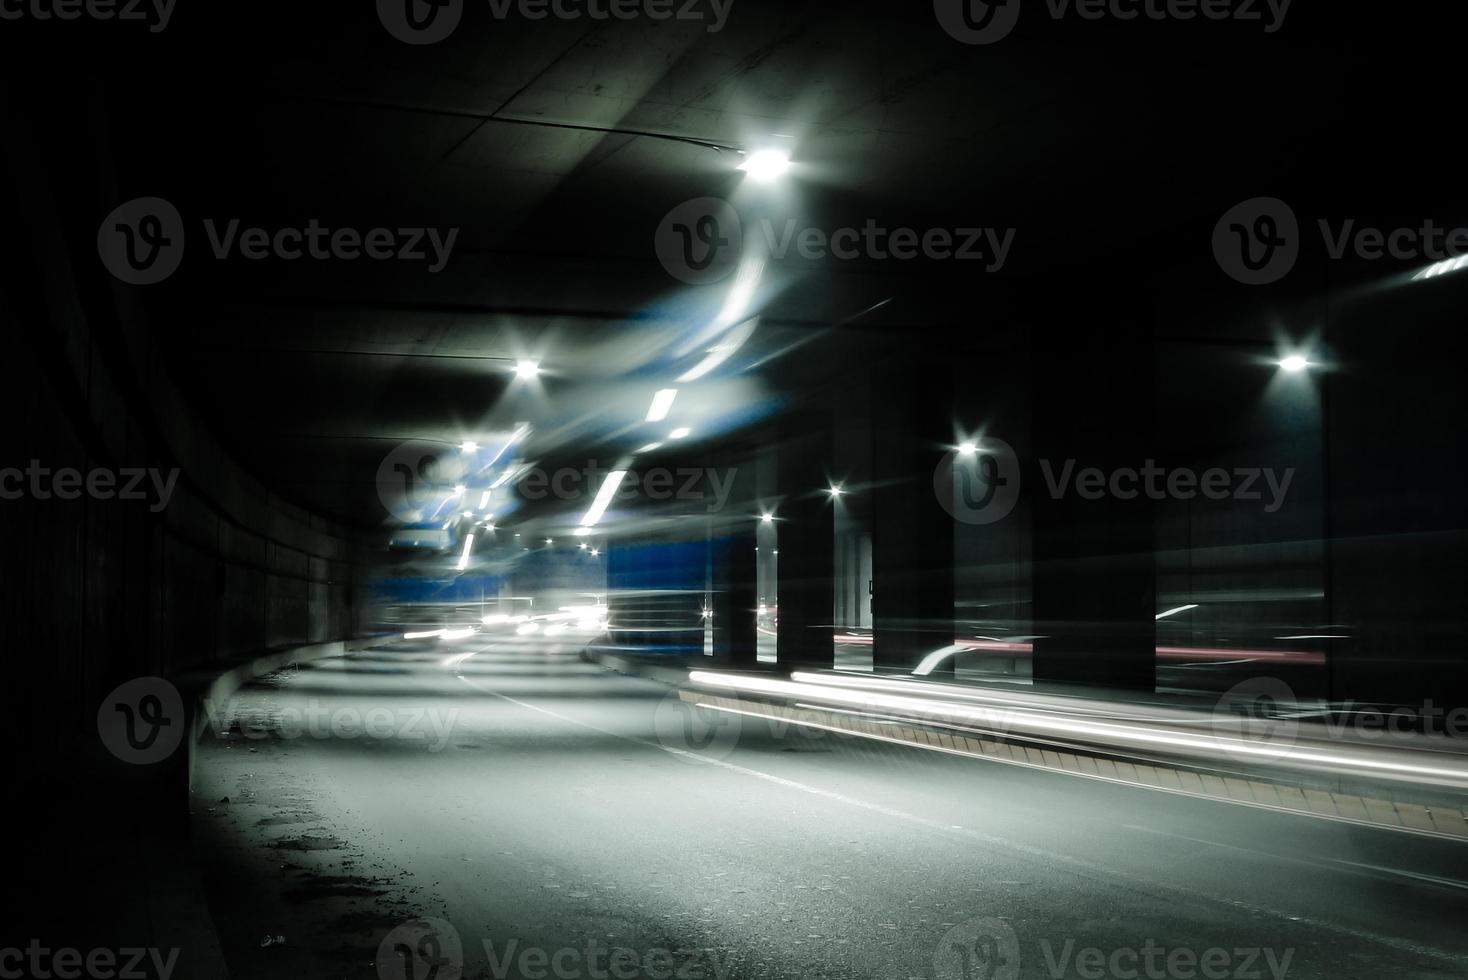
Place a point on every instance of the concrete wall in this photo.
(97, 591)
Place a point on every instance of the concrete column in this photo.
(1094, 572)
(806, 566)
(912, 535)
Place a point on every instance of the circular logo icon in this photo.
(979, 487)
(1257, 241)
(416, 481)
(695, 728)
(423, 949)
(142, 721)
(979, 949)
(977, 21)
(420, 21)
(142, 242)
(700, 241)
(1253, 720)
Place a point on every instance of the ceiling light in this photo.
(582, 532)
(1294, 364)
(967, 449)
(679, 433)
(594, 552)
(527, 369)
(766, 165)
(835, 491)
(767, 518)
(469, 446)
(464, 558)
(662, 403)
(603, 497)
(459, 490)
(651, 447)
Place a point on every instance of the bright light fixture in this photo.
(679, 433)
(595, 552)
(767, 518)
(464, 557)
(835, 491)
(967, 448)
(459, 490)
(651, 447)
(582, 532)
(603, 497)
(469, 446)
(1294, 364)
(527, 369)
(662, 404)
(766, 165)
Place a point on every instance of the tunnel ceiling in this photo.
(556, 148)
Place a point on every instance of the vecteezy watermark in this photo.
(142, 721)
(980, 483)
(988, 21)
(141, 242)
(658, 483)
(100, 963)
(980, 486)
(1157, 962)
(979, 949)
(155, 13)
(989, 949)
(692, 732)
(430, 21)
(431, 949)
(1257, 241)
(67, 483)
(701, 241)
(318, 721)
(423, 481)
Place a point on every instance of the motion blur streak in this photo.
(1012, 717)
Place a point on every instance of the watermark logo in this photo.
(977, 21)
(318, 721)
(420, 21)
(127, 483)
(141, 242)
(979, 486)
(695, 731)
(1155, 962)
(412, 479)
(876, 242)
(979, 949)
(155, 13)
(1257, 241)
(1253, 720)
(988, 21)
(423, 949)
(699, 241)
(98, 963)
(142, 721)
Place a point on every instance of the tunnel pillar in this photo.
(1094, 585)
(805, 566)
(912, 534)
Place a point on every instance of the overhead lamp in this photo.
(603, 498)
(1294, 364)
(527, 369)
(582, 532)
(679, 433)
(766, 165)
(464, 557)
(767, 518)
(595, 552)
(662, 404)
(967, 449)
(651, 447)
(459, 490)
(469, 446)
(835, 490)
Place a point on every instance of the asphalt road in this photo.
(499, 808)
